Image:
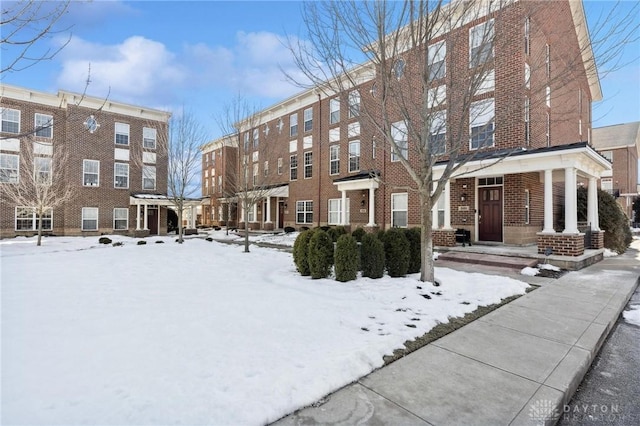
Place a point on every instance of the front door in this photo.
(280, 214)
(490, 213)
(152, 221)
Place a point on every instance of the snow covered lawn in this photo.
(198, 333)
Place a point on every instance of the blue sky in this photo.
(200, 54)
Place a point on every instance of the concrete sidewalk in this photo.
(517, 365)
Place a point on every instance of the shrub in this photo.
(358, 233)
(208, 239)
(413, 236)
(372, 256)
(612, 220)
(118, 244)
(159, 242)
(396, 249)
(289, 229)
(336, 231)
(346, 258)
(141, 242)
(320, 254)
(104, 240)
(300, 252)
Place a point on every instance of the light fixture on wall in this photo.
(362, 203)
(285, 205)
(463, 197)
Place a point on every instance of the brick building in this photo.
(324, 163)
(620, 144)
(113, 162)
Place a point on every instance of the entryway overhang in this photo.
(368, 180)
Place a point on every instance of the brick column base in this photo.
(561, 244)
(372, 229)
(444, 237)
(597, 239)
(268, 226)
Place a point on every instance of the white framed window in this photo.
(335, 212)
(354, 156)
(437, 96)
(334, 111)
(436, 60)
(251, 214)
(27, 219)
(488, 83)
(44, 125)
(399, 135)
(266, 168)
(220, 183)
(89, 218)
(256, 138)
(304, 211)
(246, 141)
(308, 164)
(399, 207)
(548, 60)
(548, 132)
(438, 133)
(148, 177)
(527, 75)
(606, 184)
(527, 34)
(279, 166)
(308, 119)
(334, 159)
(608, 155)
(255, 156)
(42, 170)
(293, 167)
(10, 120)
(527, 205)
(122, 134)
(354, 104)
(120, 219)
(373, 148)
(527, 120)
(398, 68)
(440, 207)
(293, 125)
(548, 97)
(481, 124)
(90, 173)
(256, 173)
(120, 175)
(149, 137)
(9, 168)
(481, 43)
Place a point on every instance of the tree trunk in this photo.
(180, 229)
(426, 238)
(246, 225)
(39, 243)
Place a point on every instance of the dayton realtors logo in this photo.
(544, 411)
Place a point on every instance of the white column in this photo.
(447, 205)
(268, 207)
(570, 202)
(434, 215)
(137, 217)
(146, 218)
(372, 207)
(548, 202)
(278, 211)
(343, 206)
(592, 204)
(192, 218)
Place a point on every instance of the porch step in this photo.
(512, 262)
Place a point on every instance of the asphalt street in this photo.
(608, 395)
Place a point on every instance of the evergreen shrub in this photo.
(300, 252)
(613, 221)
(358, 233)
(396, 248)
(413, 236)
(320, 254)
(372, 256)
(346, 258)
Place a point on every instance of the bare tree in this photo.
(422, 103)
(39, 183)
(25, 24)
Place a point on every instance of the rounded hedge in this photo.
(358, 233)
(346, 258)
(413, 236)
(336, 231)
(301, 251)
(396, 249)
(612, 220)
(372, 256)
(320, 254)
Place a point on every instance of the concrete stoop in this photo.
(512, 262)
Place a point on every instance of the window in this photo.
(354, 104)
(10, 120)
(293, 125)
(266, 168)
(527, 34)
(527, 76)
(308, 164)
(606, 184)
(608, 155)
(548, 97)
(527, 121)
(304, 212)
(122, 134)
(121, 175)
(481, 43)
(256, 138)
(42, 170)
(149, 139)
(334, 111)
(438, 133)
(373, 148)
(256, 172)
(436, 60)
(335, 212)
(548, 60)
(440, 207)
(398, 68)
(334, 159)
(399, 205)
(548, 129)
(251, 216)
(246, 141)
(120, 219)
(526, 206)
(293, 167)
(89, 218)
(481, 120)
(220, 183)
(148, 177)
(44, 125)
(437, 96)
(27, 219)
(308, 119)
(280, 166)
(90, 172)
(488, 83)
(9, 168)
(399, 135)
(354, 156)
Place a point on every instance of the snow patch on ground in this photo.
(632, 315)
(609, 253)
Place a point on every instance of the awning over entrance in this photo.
(368, 180)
